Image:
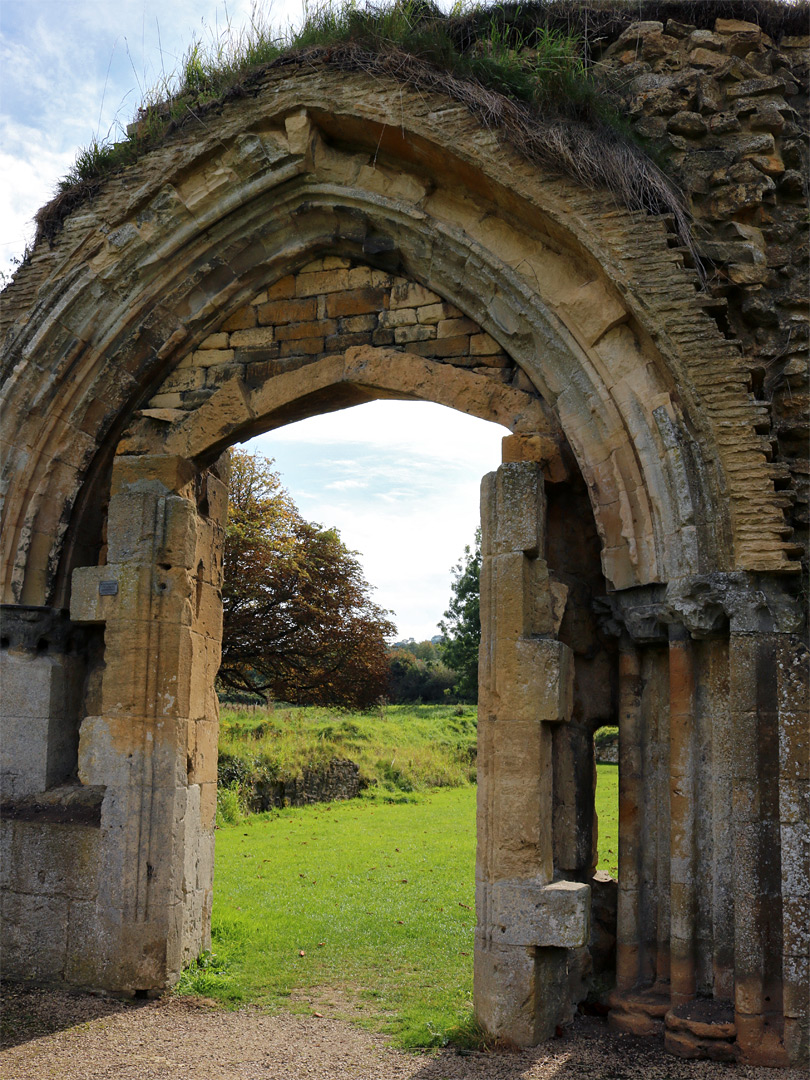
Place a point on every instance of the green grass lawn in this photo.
(607, 810)
(372, 900)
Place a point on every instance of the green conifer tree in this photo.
(461, 625)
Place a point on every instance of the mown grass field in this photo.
(371, 900)
(607, 810)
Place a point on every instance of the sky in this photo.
(400, 480)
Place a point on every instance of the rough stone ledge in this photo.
(25, 626)
(704, 1019)
(69, 804)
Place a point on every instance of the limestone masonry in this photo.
(332, 238)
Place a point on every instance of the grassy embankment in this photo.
(368, 903)
(400, 749)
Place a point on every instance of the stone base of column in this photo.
(703, 1030)
(526, 931)
(521, 991)
(760, 1041)
(639, 1012)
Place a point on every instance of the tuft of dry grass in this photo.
(590, 152)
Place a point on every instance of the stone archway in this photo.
(125, 379)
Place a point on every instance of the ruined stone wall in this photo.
(726, 113)
(338, 779)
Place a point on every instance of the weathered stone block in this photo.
(54, 859)
(483, 345)
(32, 686)
(283, 289)
(243, 319)
(202, 750)
(151, 525)
(434, 313)
(208, 610)
(34, 935)
(358, 324)
(86, 949)
(540, 684)
(520, 993)
(525, 913)
(398, 317)
(513, 510)
(450, 328)
(278, 312)
(24, 756)
(323, 281)
(94, 594)
(404, 334)
(521, 599)
(356, 302)
(256, 337)
(302, 347)
(593, 310)
(411, 294)
(297, 331)
(38, 743)
(454, 346)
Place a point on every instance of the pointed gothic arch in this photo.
(612, 373)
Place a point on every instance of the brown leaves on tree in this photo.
(298, 620)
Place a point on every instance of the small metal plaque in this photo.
(107, 588)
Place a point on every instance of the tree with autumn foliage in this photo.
(298, 620)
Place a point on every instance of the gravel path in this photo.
(82, 1037)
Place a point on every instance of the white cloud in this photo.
(75, 70)
(420, 466)
(344, 485)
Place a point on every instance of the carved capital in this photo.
(706, 605)
(38, 629)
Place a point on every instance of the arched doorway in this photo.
(126, 381)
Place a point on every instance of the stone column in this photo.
(153, 744)
(793, 675)
(758, 874)
(526, 922)
(641, 998)
(682, 811)
(628, 941)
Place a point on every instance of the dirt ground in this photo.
(82, 1037)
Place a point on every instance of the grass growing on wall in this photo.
(524, 69)
(366, 904)
(519, 69)
(538, 64)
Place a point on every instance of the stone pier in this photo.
(526, 922)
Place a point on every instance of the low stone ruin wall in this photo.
(339, 779)
(606, 750)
